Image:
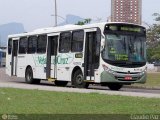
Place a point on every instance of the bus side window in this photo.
(23, 45)
(9, 46)
(41, 43)
(65, 42)
(32, 44)
(77, 41)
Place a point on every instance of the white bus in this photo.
(111, 54)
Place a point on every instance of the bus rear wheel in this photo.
(78, 80)
(61, 83)
(29, 77)
(115, 86)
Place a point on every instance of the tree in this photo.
(153, 35)
(85, 21)
(153, 40)
(156, 57)
(157, 15)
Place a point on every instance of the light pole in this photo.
(55, 13)
(58, 16)
(0, 41)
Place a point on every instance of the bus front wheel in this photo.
(78, 80)
(115, 86)
(29, 77)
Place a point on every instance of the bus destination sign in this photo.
(131, 29)
(125, 28)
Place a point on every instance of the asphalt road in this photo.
(14, 82)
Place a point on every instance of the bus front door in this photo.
(89, 58)
(51, 66)
(14, 58)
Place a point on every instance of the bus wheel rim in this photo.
(79, 79)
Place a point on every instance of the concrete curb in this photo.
(76, 90)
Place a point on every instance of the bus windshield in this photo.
(124, 49)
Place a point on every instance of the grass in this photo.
(153, 81)
(17, 101)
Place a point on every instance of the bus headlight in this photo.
(107, 69)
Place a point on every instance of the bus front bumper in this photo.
(107, 77)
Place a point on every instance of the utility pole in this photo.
(55, 13)
(0, 41)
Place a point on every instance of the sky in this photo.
(35, 14)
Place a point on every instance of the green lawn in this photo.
(17, 101)
(153, 81)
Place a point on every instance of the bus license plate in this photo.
(128, 78)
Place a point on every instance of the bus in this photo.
(2, 58)
(110, 54)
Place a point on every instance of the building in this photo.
(126, 11)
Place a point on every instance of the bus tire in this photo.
(29, 77)
(61, 83)
(78, 80)
(115, 86)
